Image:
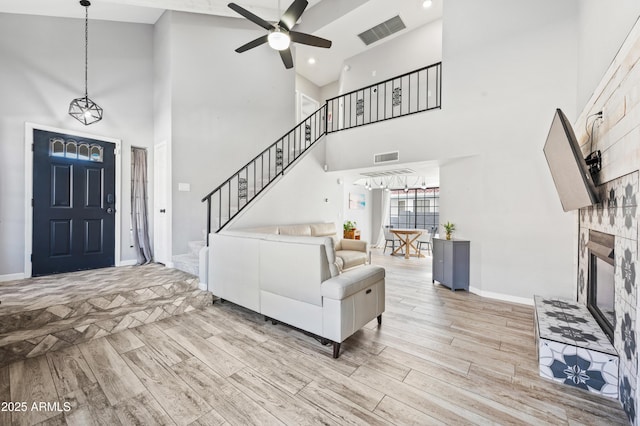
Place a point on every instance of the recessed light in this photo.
(427, 4)
(311, 61)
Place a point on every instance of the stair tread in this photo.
(33, 330)
(28, 294)
(33, 317)
(26, 344)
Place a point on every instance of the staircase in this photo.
(48, 313)
(410, 93)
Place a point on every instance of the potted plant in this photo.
(448, 229)
(349, 228)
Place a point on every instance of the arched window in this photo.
(72, 149)
(56, 147)
(83, 151)
(96, 153)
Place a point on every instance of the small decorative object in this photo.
(307, 133)
(349, 229)
(396, 97)
(448, 229)
(279, 157)
(84, 109)
(360, 107)
(356, 201)
(243, 188)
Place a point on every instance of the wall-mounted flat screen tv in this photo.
(569, 169)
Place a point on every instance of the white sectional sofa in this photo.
(296, 280)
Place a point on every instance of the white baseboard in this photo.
(11, 277)
(169, 265)
(128, 262)
(502, 297)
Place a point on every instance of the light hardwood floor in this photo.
(438, 358)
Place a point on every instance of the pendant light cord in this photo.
(86, 50)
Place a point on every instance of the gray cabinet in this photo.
(450, 265)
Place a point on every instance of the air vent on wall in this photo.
(383, 30)
(386, 157)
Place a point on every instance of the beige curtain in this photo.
(139, 206)
(386, 200)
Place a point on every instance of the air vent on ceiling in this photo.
(386, 157)
(383, 30)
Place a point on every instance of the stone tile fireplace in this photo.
(615, 217)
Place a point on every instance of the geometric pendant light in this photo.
(84, 109)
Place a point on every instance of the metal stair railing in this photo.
(406, 94)
(234, 194)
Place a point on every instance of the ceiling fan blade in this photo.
(250, 16)
(255, 43)
(309, 39)
(291, 16)
(287, 59)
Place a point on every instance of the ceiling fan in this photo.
(280, 34)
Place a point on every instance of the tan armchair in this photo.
(352, 253)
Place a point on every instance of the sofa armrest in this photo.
(353, 245)
(351, 282)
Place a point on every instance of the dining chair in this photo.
(425, 240)
(389, 237)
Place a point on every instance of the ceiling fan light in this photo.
(279, 40)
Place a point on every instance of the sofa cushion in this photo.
(263, 230)
(351, 258)
(300, 230)
(323, 229)
(351, 282)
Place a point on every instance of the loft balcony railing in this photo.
(410, 93)
(234, 194)
(406, 94)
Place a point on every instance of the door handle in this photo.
(110, 210)
(163, 211)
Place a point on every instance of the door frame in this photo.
(29, 128)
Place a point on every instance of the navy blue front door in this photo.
(73, 203)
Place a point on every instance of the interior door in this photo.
(161, 248)
(73, 203)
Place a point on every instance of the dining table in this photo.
(407, 239)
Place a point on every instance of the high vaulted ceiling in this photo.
(337, 20)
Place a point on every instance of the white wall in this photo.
(603, 27)
(226, 108)
(41, 71)
(308, 88)
(504, 73)
(329, 91)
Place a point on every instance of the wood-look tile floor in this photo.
(439, 358)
